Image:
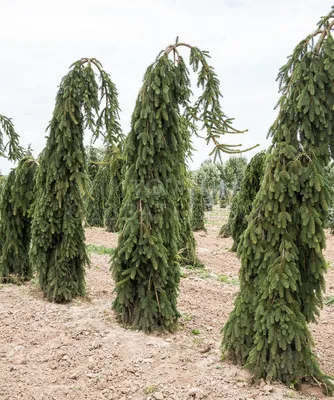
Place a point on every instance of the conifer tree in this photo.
(58, 250)
(197, 215)
(207, 197)
(330, 220)
(6, 214)
(95, 199)
(187, 243)
(282, 272)
(215, 197)
(145, 264)
(115, 191)
(232, 171)
(223, 195)
(96, 203)
(95, 156)
(329, 176)
(208, 175)
(242, 202)
(2, 183)
(238, 166)
(16, 221)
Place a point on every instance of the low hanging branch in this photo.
(58, 250)
(207, 108)
(291, 71)
(12, 148)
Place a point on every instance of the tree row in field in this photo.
(277, 219)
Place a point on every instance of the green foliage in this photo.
(15, 222)
(207, 197)
(232, 172)
(6, 215)
(282, 273)
(115, 191)
(96, 202)
(197, 215)
(145, 265)
(208, 175)
(329, 176)
(58, 250)
(105, 194)
(95, 157)
(215, 197)
(187, 243)
(2, 183)
(11, 148)
(223, 195)
(242, 202)
(330, 220)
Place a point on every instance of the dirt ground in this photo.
(79, 351)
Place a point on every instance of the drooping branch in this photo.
(207, 108)
(286, 75)
(105, 122)
(12, 148)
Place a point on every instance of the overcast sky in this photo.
(249, 41)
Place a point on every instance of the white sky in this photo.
(249, 41)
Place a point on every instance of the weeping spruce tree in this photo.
(145, 265)
(282, 273)
(105, 194)
(242, 202)
(197, 215)
(94, 157)
(15, 222)
(115, 191)
(2, 183)
(98, 193)
(187, 243)
(58, 250)
(6, 217)
(11, 149)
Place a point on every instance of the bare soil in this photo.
(78, 350)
